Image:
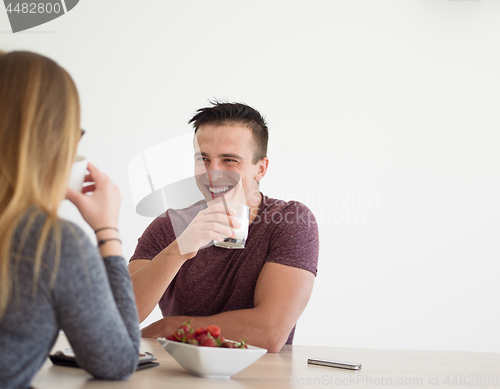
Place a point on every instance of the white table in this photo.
(289, 368)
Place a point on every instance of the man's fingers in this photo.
(224, 220)
(218, 208)
(217, 230)
(217, 237)
(218, 218)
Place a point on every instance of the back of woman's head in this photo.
(39, 132)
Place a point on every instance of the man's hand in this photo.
(152, 277)
(166, 326)
(210, 224)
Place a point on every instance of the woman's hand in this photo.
(101, 208)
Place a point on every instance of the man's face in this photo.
(223, 162)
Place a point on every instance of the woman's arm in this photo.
(96, 309)
(95, 300)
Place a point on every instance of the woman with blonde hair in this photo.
(51, 276)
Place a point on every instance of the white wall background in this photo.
(383, 119)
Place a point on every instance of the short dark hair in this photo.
(222, 113)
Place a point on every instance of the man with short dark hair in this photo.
(256, 293)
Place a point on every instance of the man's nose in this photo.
(215, 174)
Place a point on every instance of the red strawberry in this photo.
(179, 335)
(172, 337)
(208, 342)
(203, 336)
(185, 328)
(190, 336)
(191, 339)
(200, 337)
(214, 330)
(201, 330)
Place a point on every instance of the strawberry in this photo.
(208, 342)
(191, 339)
(202, 337)
(182, 331)
(200, 330)
(190, 336)
(214, 330)
(172, 337)
(179, 335)
(185, 327)
(219, 341)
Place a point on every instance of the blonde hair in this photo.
(39, 133)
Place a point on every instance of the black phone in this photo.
(67, 358)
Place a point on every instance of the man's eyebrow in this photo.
(229, 155)
(235, 156)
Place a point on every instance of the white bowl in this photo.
(212, 362)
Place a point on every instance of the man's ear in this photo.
(263, 164)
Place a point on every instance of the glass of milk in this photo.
(240, 234)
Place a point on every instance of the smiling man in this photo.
(256, 293)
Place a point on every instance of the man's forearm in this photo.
(255, 326)
(151, 280)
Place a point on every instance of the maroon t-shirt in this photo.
(218, 279)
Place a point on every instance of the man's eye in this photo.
(230, 160)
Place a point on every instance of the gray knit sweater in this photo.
(92, 301)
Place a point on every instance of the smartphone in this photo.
(67, 358)
(331, 363)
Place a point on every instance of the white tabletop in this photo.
(289, 368)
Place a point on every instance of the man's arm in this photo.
(152, 277)
(281, 294)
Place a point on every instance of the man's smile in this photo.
(219, 189)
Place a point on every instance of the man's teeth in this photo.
(219, 190)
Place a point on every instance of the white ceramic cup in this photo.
(78, 172)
